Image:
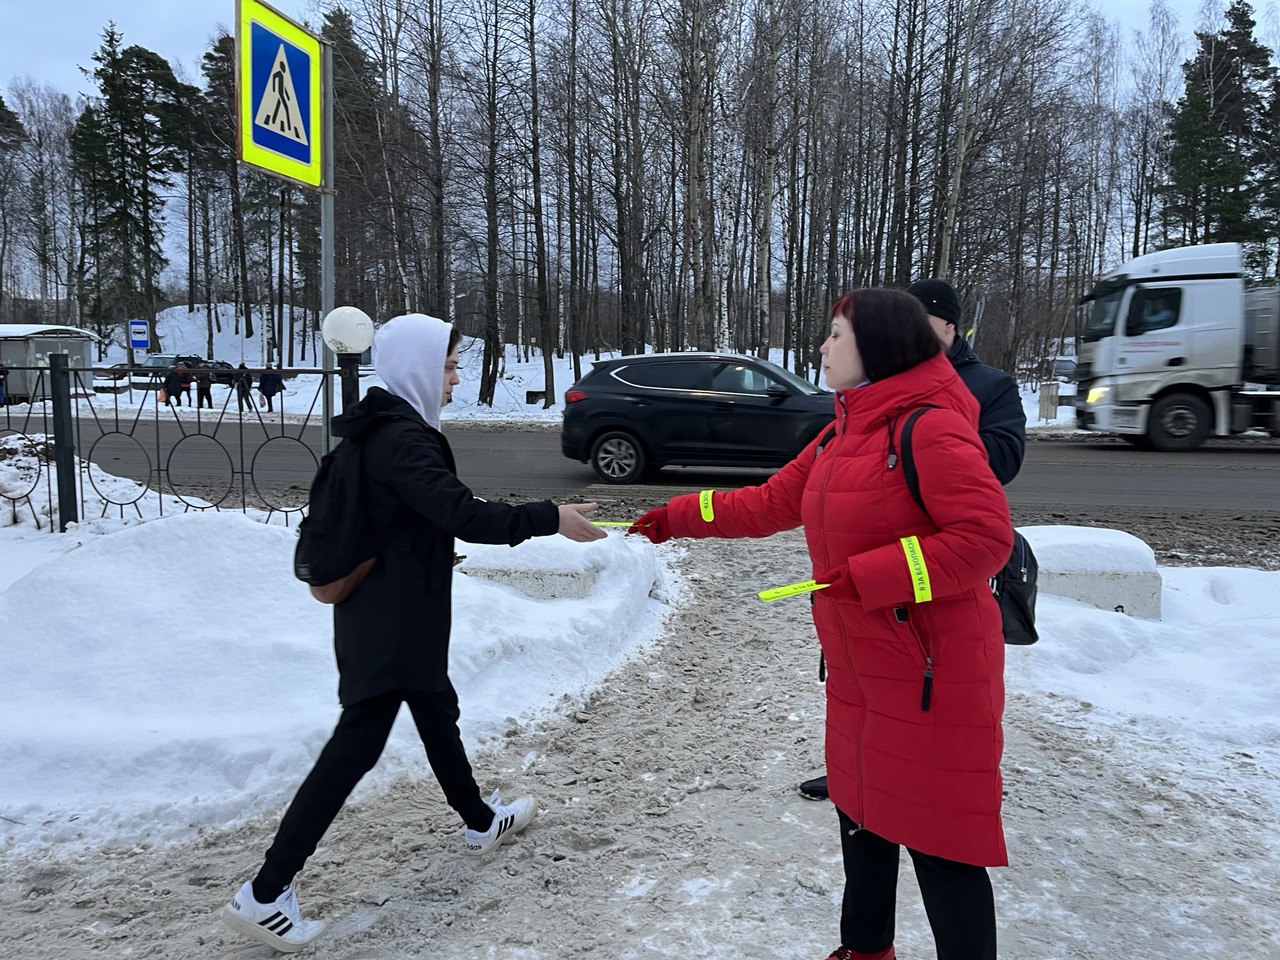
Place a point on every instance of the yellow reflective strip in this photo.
(704, 502)
(919, 572)
(790, 590)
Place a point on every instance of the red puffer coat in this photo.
(925, 778)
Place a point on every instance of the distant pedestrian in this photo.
(244, 387)
(172, 387)
(269, 384)
(204, 385)
(4, 377)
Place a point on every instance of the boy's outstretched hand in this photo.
(577, 527)
(653, 525)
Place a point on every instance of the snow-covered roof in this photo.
(21, 331)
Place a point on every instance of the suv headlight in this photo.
(1096, 395)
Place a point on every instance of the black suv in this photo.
(636, 414)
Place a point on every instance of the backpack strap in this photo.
(908, 458)
(827, 437)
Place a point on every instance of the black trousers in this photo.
(351, 752)
(957, 898)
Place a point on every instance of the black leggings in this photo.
(351, 752)
(957, 898)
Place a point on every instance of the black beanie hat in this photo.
(939, 298)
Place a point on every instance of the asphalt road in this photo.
(525, 462)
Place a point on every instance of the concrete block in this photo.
(1109, 569)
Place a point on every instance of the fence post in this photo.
(64, 442)
(349, 373)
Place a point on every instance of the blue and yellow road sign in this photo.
(280, 94)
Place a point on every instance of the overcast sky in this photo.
(50, 39)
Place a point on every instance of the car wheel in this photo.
(617, 457)
(1179, 421)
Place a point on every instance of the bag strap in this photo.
(909, 460)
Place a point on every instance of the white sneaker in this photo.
(508, 818)
(277, 924)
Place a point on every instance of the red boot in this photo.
(844, 953)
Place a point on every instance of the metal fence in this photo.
(111, 442)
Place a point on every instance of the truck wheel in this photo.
(617, 457)
(1179, 421)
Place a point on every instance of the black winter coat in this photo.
(392, 633)
(1002, 424)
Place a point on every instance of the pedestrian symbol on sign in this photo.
(279, 111)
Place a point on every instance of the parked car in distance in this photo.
(156, 365)
(633, 415)
(117, 371)
(1064, 368)
(223, 372)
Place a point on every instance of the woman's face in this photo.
(841, 362)
(451, 378)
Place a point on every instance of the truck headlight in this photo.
(1096, 395)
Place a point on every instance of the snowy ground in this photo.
(142, 652)
(146, 760)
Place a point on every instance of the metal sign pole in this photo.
(326, 231)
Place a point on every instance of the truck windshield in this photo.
(1102, 319)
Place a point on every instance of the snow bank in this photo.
(174, 674)
(1203, 676)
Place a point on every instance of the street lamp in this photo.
(348, 332)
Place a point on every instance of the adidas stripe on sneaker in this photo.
(278, 924)
(508, 818)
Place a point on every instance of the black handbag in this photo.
(1014, 587)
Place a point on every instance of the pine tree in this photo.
(11, 137)
(219, 68)
(1218, 134)
(126, 147)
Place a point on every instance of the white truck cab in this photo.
(1175, 349)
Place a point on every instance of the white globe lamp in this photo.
(347, 330)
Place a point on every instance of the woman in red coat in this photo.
(909, 630)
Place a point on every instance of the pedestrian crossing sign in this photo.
(280, 108)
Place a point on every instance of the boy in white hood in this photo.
(391, 635)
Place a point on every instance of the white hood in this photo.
(409, 354)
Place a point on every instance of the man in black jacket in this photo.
(1002, 423)
(391, 635)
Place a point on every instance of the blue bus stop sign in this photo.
(139, 335)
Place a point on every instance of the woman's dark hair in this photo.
(455, 338)
(891, 329)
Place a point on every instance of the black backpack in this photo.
(1014, 586)
(336, 543)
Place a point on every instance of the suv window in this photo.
(666, 374)
(1156, 309)
(739, 378)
